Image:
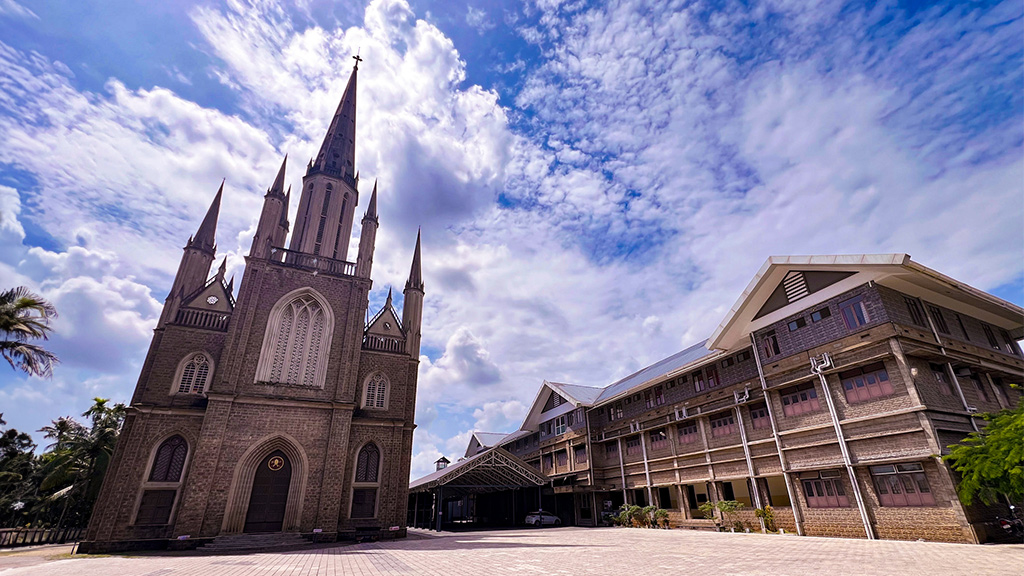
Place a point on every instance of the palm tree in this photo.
(26, 316)
(77, 467)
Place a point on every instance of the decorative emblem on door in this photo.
(275, 463)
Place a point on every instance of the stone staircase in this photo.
(254, 542)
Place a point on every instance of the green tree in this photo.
(26, 316)
(991, 462)
(74, 470)
(17, 470)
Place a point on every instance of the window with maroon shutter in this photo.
(699, 383)
(866, 383)
(659, 439)
(687, 432)
(902, 485)
(713, 377)
(562, 458)
(759, 416)
(799, 400)
(633, 446)
(580, 453)
(938, 372)
(770, 344)
(824, 490)
(723, 425)
(854, 313)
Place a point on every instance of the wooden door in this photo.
(269, 494)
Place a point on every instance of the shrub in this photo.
(768, 515)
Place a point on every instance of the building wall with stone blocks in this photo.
(290, 358)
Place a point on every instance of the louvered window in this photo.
(368, 463)
(194, 375)
(170, 460)
(375, 394)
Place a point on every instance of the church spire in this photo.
(206, 237)
(338, 151)
(416, 271)
(371, 208)
(278, 187)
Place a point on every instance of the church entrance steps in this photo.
(254, 542)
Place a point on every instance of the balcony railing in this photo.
(383, 343)
(207, 319)
(313, 262)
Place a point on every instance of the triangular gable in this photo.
(214, 297)
(544, 407)
(386, 323)
(492, 469)
(798, 284)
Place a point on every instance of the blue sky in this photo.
(596, 182)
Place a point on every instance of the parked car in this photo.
(541, 518)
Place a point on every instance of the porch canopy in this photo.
(492, 470)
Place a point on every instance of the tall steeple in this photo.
(206, 237)
(278, 186)
(368, 237)
(337, 154)
(195, 264)
(323, 224)
(412, 307)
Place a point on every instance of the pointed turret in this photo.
(223, 269)
(194, 269)
(412, 308)
(278, 187)
(338, 152)
(415, 272)
(368, 237)
(371, 209)
(206, 236)
(273, 225)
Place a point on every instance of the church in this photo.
(282, 411)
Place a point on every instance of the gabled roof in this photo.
(386, 322)
(488, 439)
(491, 470)
(896, 271)
(659, 369)
(579, 395)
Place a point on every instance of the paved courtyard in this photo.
(567, 551)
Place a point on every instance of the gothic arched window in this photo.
(297, 341)
(367, 482)
(375, 391)
(193, 374)
(169, 461)
(161, 488)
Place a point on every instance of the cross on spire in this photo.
(357, 59)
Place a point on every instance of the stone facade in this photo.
(289, 406)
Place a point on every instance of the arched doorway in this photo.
(269, 496)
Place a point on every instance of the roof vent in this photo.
(795, 285)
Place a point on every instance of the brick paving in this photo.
(570, 551)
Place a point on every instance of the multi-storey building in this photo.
(283, 411)
(829, 391)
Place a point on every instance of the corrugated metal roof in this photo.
(488, 439)
(585, 395)
(438, 473)
(658, 369)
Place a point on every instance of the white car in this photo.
(541, 518)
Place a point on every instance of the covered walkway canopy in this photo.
(493, 470)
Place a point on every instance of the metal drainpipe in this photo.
(798, 515)
(750, 464)
(949, 366)
(622, 471)
(647, 469)
(819, 369)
